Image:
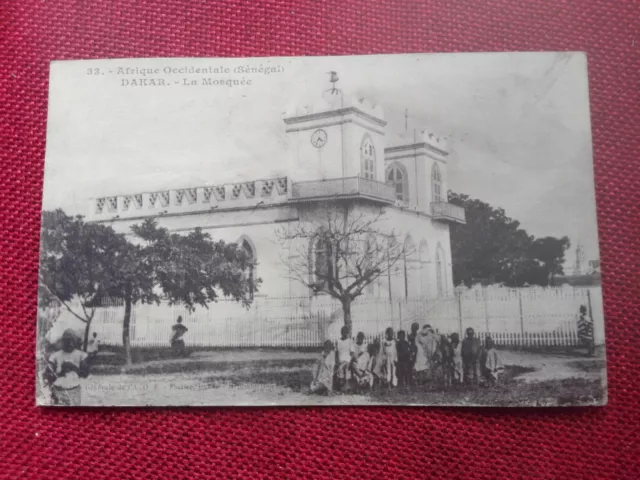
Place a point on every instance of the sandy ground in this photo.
(553, 367)
(212, 387)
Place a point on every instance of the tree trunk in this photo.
(86, 335)
(126, 336)
(346, 311)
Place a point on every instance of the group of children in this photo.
(422, 357)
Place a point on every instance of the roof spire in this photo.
(333, 79)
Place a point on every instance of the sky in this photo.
(517, 124)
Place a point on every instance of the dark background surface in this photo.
(317, 442)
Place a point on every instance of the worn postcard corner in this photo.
(385, 229)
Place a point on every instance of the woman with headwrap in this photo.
(430, 343)
(421, 366)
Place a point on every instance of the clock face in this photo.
(319, 138)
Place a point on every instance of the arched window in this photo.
(397, 176)
(369, 246)
(249, 273)
(321, 262)
(423, 259)
(436, 184)
(441, 272)
(409, 266)
(368, 158)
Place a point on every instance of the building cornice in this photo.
(333, 113)
(320, 124)
(390, 159)
(416, 146)
(266, 206)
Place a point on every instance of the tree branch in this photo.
(63, 303)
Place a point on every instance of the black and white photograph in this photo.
(415, 229)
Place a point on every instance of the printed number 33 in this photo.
(319, 138)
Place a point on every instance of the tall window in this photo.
(409, 267)
(369, 245)
(249, 272)
(441, 275)
(397, 176)
(423, 259)
(436, 184)
(321, 261)
(368, 158)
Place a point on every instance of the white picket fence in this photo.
(527, 317)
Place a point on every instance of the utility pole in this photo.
(577, 270)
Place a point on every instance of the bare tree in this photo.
(340, 252)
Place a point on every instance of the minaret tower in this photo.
(336, 136)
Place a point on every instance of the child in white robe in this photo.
(493, 367)
(389, 358)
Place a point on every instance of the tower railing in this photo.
(448, 212)
(346, 187)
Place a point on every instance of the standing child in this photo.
(404, 360)
(345, 354)
(363, 368)
(446, 362)
(457, 358)
(421, 365)
(470, 352)
(67, 366)
(413, 347)
(375, 361)
(431, 344)
(389, 359)
(359, 347)
(323, 379)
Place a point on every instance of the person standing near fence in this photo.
(389, 357)
(470, 350)
(456, 347)
(585, 331)
(404, 360)
(431, 346)
(177, 343)
(420, 364)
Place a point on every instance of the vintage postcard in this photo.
(385, 229)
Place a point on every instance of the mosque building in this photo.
(340, 150)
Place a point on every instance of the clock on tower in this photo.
(319, 138)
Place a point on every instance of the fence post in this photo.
(486, 309)
(459, 295)
(521, 313)
(593, 324)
